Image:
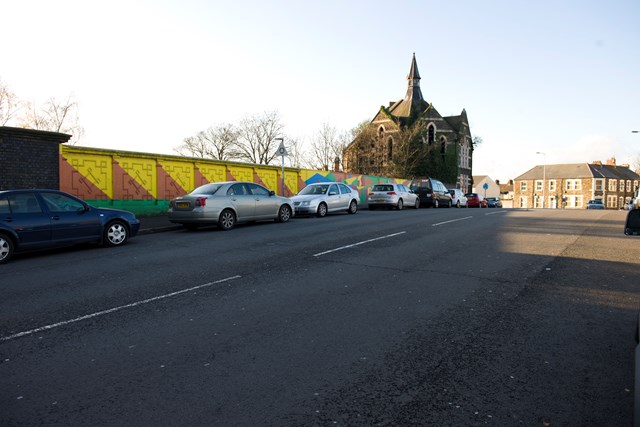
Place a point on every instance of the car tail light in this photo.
(391, 193)
(201, 201)
(370, 193)
(171, 204)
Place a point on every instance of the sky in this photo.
(555, 77)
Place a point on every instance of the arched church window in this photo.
(390, 149)
(432, 134)
(380, 131)
(443, 145)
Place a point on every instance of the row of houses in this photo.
(568, 186)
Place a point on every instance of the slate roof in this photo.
(577, 171)
(413, 100)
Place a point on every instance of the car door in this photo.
(23, 213)
(333, 198)
(345, 196)
(71, 219)
(266, 205)
(243, 201)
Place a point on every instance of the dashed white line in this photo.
(359, 243)
(112, 310)
(496, 212)
(453, 220)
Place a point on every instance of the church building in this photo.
(409, 138)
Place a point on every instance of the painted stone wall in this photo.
(144, 183)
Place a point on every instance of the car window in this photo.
(344, 189)
(238, 190)
(24, 203)
(333, 189)
(207, 189)
(4, 206)
(61, 203)
(258, 190)
(381, 187)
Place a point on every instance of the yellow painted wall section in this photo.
(143, 170)
(96, 168)
(241, 173)
(291, 180)
(212, 172)
(182, 172)
(269, 177)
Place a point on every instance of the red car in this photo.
(475, 200)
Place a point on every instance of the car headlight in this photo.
(305, 203)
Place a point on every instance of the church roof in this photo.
(413, 100)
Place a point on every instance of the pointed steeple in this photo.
(414, 94)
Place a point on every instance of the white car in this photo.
(325, 197)
(458, 199)
(392, 196)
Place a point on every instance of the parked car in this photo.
(39, 219)
(458, 198)
(392, 196)
(324, 197)
(475, 200)
(432, 193)
(227, 203)
(493, 202)
(595, 204)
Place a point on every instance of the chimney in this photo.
(336, 164)
(497, 182)
(625, 165)
(611, 161)
(391, 103)
(597, 162)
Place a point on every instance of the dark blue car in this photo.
(38, 219)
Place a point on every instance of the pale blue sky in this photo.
(560, 77)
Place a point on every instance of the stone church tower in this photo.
(411, 137)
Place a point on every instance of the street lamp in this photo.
(282, 151)
(544, 176)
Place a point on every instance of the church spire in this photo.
(414, 94)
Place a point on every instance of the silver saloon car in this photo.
(392, 196)
(324, 197)
(229, 203)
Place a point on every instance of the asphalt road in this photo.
(429, 317)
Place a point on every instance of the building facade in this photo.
(410, 137)
(571, 186)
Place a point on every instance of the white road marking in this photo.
(112, 310)
(453, 220)
(496, 212)
(359, 243)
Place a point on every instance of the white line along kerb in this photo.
(359, 243)
(112, 310)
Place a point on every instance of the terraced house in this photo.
(410, 138)
(571, 186)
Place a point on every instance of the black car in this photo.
(38, 219)
(493, 202)
(432, 193)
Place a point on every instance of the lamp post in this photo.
(544, 176)
(282, 151)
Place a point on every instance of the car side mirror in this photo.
(272, 193)
(632, 225)
(332, 193)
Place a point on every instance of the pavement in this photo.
(156, 224)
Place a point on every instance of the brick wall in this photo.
(29, 158)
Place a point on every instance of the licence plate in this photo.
(379, 201)
(182, 205)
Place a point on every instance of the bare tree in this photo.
(257, 135)
(8, 104)
(55, 116)
(218, 143)
(296, 155)
(407, 152)
(322, 151)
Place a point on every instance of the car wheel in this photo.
(436, 203)
(400, 204)
(116, 234)
(322, 210)
(449, 203)
(417, 204)
(6, 248)
(284, 214)
(227, 220)
(353, 207)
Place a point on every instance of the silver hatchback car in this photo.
(392, 196)
(324, 197)
(228, 203)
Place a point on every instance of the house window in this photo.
(539, 185)
(573, 184)
(599, 185)
(523, 185)
(628, 186)
(432, 134)
(552, 185)
(612, 201)
(635, 185)
(622, 185)
(613, 185)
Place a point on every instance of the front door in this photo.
(70, 218)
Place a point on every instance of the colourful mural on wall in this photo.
(144, 183)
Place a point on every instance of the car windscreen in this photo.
(314, 189)
(207, 189)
